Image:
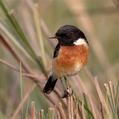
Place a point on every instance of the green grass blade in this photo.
(21, 88)
(23, 40)
(39, 62)
(50, 113)
(39, 34)
(27, 107)
(86, 106)
(117, 94)
(4, 30)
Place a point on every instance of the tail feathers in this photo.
(49, 86)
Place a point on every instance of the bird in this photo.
(70, 55)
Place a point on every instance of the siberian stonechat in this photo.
(70, 54)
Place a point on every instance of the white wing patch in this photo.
(80, 41)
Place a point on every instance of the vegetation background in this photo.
(26, 56)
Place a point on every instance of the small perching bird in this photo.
(70, 54)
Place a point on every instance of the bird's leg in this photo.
(66, 88)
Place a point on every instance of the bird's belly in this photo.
(65, 68)
(70, 61)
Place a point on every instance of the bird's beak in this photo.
(52, 37)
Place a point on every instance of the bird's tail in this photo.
(49, 86)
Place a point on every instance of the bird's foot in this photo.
(67, 93)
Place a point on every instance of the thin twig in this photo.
(8, 65)
(12, 51)
(25, 67)
(11, 66)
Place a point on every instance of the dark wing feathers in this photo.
(56, 50)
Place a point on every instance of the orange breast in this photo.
(70, 60)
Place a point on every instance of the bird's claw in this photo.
(67, 94)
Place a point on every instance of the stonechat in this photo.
(70, 54)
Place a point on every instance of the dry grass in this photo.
(83, 109)
(24, 37)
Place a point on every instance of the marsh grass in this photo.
(81, 109)
(92, 98)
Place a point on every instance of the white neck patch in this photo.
(80, 41)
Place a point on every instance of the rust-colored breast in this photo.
(70, 60)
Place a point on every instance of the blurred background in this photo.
(26, 51)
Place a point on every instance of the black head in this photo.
(68, 34)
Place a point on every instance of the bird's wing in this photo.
(56, 50)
